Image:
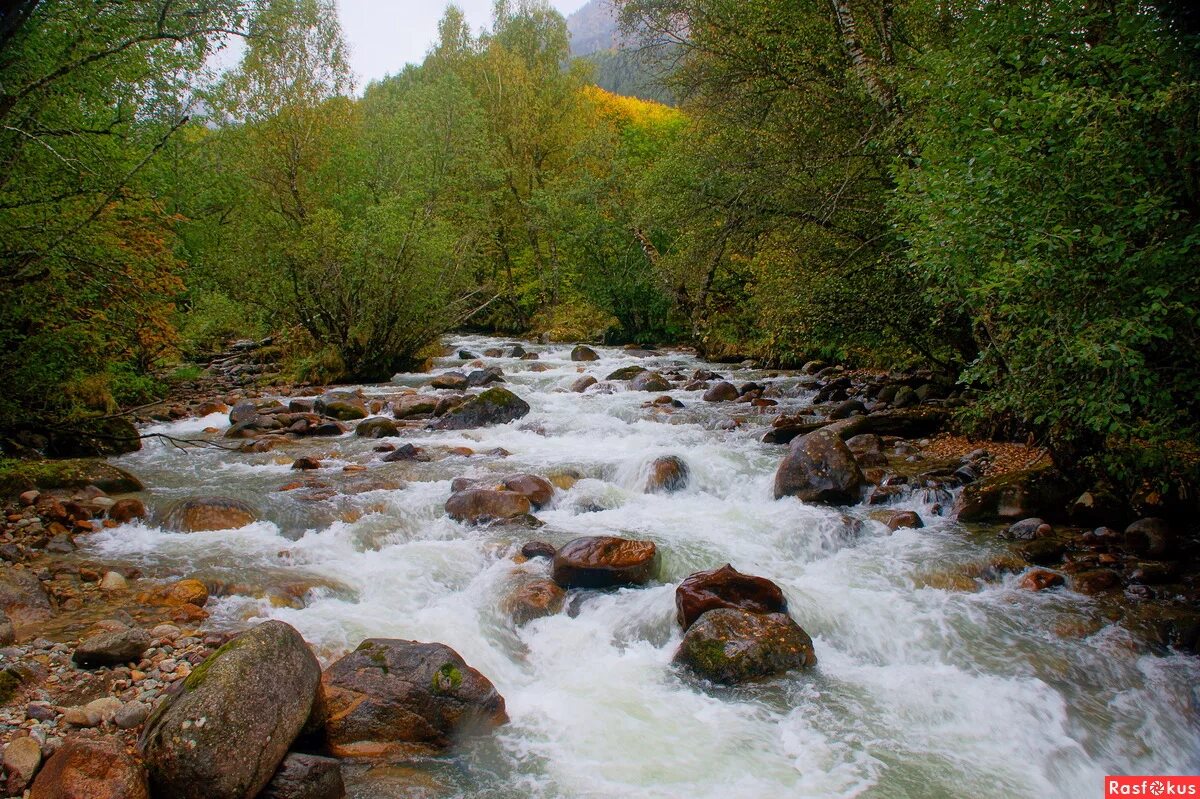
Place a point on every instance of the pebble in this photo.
(131, 714)
(113, 581)
(40, 711)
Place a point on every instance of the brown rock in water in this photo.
(534, 599)
(729, 645)
(1096, 581)
(1040, 580)
(538, 490)
(200, 514)
(605, 561)
(188, 592)
(480, 505)
(722, 392)
(583, 384)
(584, 353)
(453, 381)
(408, 406)
(649, 381)
(226, 732)
(397, 698)
(376, 428)
(126, 510)
(306, 463)
(898, 519)
(819, 468)
(496, 405)
(538, 549)
(667, 475)
(91, 769)
(725, 587)
(306, 777)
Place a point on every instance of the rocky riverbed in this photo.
(545, 570)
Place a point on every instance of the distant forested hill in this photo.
(596, 37)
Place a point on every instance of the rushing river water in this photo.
(919, 691)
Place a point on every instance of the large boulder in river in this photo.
(668, 474)
(91, 769)
(225, 733)
(605, 561)
(819, 468)
(725, 587)
(399, 698)
(1041, 491)
(494, 406)
(649, 381)
(730, 645)
(722, 392)
(199, 514)
(584, 353)
(481, 505)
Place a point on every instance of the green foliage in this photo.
(1054, 205)
(92, 92)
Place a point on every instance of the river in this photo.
(921, 690)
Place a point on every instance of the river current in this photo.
(922, 689)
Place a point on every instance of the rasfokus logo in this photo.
(1158, 785)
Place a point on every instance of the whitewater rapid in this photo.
(919, 691)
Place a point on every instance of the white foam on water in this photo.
(919, 692)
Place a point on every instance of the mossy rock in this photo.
(496, 405)
(394, 698)
(1042, 492)
(731, 646)
(22, 475)
(225, 733)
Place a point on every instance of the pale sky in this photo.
(384, 35)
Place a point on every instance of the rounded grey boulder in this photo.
(226, 732)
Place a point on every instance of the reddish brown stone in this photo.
(726, 587)
(91, 769)
(1040, 580)
(605, 561)
(537, 490)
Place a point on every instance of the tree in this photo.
(91, 93)
(1055, 205)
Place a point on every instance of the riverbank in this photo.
(351, 536)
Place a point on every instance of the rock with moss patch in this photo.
(731, 645)
(17, 476)
(396, 698)
(1041, 491)
(376, 428)
(626, 373)
(496, 405)
(208, 741)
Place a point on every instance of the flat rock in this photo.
(605, 561)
